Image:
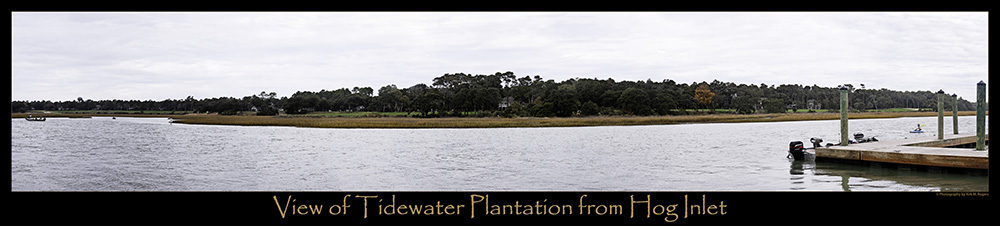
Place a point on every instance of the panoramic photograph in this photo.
(499, 101)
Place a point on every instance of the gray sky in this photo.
(156, 56)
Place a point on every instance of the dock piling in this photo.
(940, 94)
(981, 116)
(954, 113)
(843, 116)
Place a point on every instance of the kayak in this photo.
(917, 131)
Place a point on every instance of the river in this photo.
(151, 154)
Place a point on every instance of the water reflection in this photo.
(880, 176)
(799, 167)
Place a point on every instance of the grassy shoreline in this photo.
(406, 122)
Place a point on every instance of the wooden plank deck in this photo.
(926, 151)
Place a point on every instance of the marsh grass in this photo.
(496, 122)
(406, 122)
(358, 114)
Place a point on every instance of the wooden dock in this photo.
(924, 151)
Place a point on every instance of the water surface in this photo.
(151, 154)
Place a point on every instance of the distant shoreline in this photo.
(494, 122)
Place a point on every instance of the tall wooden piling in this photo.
(954, 113)
(981, 116)
(940, 94)
(843, 116)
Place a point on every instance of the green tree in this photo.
(486, 98)
(564, 101)
(773, 105)
(429, 102)
(267, 110)
(663, 103)
(545, 109)
(635, 101)
(297, 105)
(743, 105)
(18, 107)
(589, 108)
(610, 99)
(515, 109)
(389, 99)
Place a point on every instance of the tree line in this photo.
(507, 95)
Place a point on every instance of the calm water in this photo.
(139, 154)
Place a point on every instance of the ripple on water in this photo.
(138, 154)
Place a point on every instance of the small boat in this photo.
(35, 119)
(917, 131)
(797, 151)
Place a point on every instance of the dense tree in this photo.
(430, 101)
(506, 94)
(544, 109)
(390, 99)
(19, 107)
(264, 103)
(773, 105)
(299, 104)
(589, 108)
(743, 104)
(564, 101)
(635, 101)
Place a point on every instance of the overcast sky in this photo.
(157, 56)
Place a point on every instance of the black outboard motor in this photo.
(796, 150)
(860, 138)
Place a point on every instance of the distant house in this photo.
(505, 102)
(812, 104)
